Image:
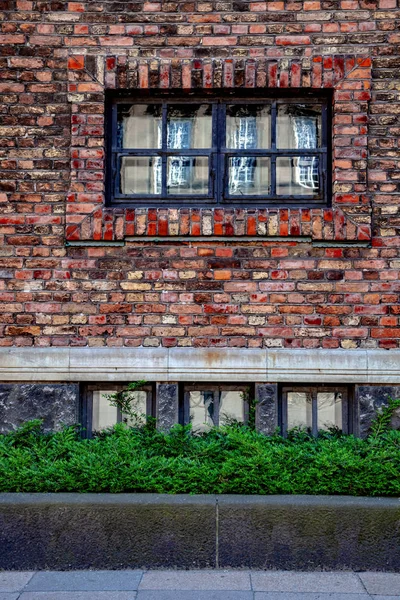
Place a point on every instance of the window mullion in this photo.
(221, 143)
(314, 408)
(273, 146)
(164, 143)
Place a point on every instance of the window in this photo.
(98, 413)
(212, 151)
(210, 405)
(314, 408)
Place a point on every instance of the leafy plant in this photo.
(222, 460)
(381, 423)
(128, 403)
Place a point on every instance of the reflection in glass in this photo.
(139, 126)
(248, 126)
(103, 414)
(249, 175)
(299, 408)
(141, 175)
(329, 410)
(201, 406)
(297, 175)
(187, 175)
(138, 402)
(298, 126)
(231, 407)
(189, 126)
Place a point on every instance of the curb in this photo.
(117, 531)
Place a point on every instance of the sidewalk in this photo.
(198, 585)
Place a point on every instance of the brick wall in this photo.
(337, 287)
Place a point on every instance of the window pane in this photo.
(231, 407)
(201, 406)
(138, 404)
(248, 126)
(141, 175)
(104, 415)
(187, 175)
(299, 407)
(189, 126)
(139, 126)
(298, 126)
(249, 175)
(297, 175)
(329, 410)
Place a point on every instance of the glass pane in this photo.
(201, 406)
(189, 126)
(141, 175)
(299, 405)
(329, 410)
(298, 126)
(138, 404)
(248, 126)
(103, 415)
(187, 175)
(139, 126)
(231, 407)
(249, 175)
(297, 176)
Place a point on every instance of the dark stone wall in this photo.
(56, 404)
(369, 399)
(114, 531)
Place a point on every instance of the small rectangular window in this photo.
(218, 150)
(100, 414)
(314, 408)
(206, 406)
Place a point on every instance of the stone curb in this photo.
(118, 531)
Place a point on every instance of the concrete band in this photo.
(202, 364)
(106, 531)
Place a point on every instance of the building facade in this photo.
(203, 195)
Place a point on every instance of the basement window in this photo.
(99, 414)
(206, 406)
(209, 151)
(314, 408)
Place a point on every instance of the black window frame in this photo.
(314, 389)
(218, 155)
(86, 409)
(185, 389)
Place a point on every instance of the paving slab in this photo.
(193, 595)
(9, 595)
(291, 581)
(385, 597)
(14, 581)
(82, 581)
(308, 596)
(195, 580)
(78, 596)
(384, 584)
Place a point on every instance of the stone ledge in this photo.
(106, 531)
(199, 364)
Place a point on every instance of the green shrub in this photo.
(231, 460)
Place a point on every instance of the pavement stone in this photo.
(308, 596)
(193, 595)
(195, 580)
(83, 581)
(385, 597)
(321, 582)
(110, 595)
(9, 595)
(14, 581)
(383, 584)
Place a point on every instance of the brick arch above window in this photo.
(90, 76)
